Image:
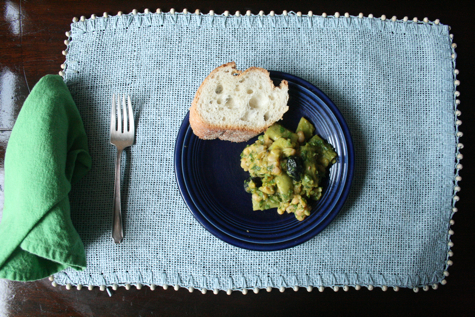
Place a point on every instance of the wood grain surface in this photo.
(31, 37)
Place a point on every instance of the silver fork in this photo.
(122, 136)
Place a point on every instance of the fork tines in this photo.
(116, 116)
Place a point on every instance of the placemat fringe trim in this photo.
(244, 284)
(248, 20)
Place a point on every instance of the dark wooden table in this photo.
(31, 41)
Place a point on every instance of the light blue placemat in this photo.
(392, 80)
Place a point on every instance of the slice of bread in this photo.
(236, 106)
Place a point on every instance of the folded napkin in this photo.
(47, 152)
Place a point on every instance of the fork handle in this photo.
(117, 230)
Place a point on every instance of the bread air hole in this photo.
(257, 102)
(245, 117)
(271, 97)
(250, 91)
(219, 101)
(219, 89)
(266, 116)
(229, 103)
(237, 88)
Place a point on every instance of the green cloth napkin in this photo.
(46, 153)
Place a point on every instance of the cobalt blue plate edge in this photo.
(201, 213)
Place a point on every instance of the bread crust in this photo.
(207, 131)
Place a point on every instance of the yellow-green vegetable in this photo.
(276, 131)
(306, 127)
(284, 185)
(326, 154)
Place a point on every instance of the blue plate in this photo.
(210, 177)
